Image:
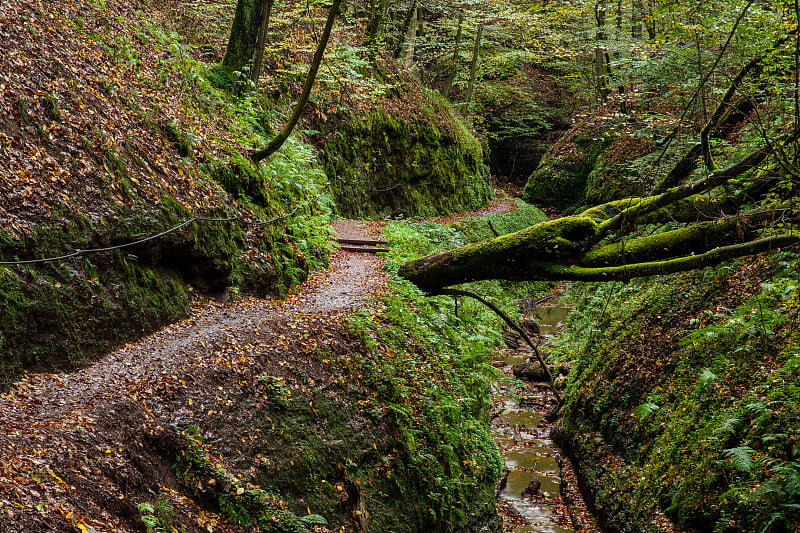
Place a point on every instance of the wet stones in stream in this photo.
(538, 493)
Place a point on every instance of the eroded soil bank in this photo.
(322, 412)
(83, 449)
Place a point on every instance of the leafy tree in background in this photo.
(747, 206)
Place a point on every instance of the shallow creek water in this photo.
(521, 432)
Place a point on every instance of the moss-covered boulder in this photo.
(621, 170)
(381, 165)
(522, 109)
(561, 177)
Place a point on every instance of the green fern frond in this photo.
(728, 427)
(645, 410)
(314, 520)
(707, 376)
(741, 458)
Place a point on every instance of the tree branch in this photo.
(654, 203)
(279, 139)
(694, 239)
(513, 325)
(671, 266)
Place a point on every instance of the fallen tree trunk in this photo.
(603, 243)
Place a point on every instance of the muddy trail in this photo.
(77, 448)
(62, 436)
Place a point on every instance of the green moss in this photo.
(622, 170)
(529, 242)
(713, 355)
(561, 177)
(380, 166)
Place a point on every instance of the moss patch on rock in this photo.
(682, 398)
(618, 172)
(383, 166)
(561, 177)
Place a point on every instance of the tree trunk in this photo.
(408, 21)
(411, 38)
(456, 50)
(243, 41)
(258, 58)
(600, 55)
(377, 14)
(473, 69)
(637, 17)
(278, 141)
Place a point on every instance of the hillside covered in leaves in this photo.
(129, 202)
(118, 128)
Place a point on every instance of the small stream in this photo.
(522, 434)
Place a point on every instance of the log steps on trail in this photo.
(369, 246)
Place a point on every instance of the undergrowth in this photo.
(429, 369)
(693, 381)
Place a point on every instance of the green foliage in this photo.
(158, 517)
(276, 390)
(240, 504)
(741, 458)
(694, 384)
(645, 410)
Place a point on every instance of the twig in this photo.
(513, 325)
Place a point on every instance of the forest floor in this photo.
(77, 447)
(56, 428)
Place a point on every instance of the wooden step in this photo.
(365, 249)
(362, 242)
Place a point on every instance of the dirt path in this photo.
(39, 415)
(43, 398)
(63, 466)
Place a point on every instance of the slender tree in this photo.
(409, 22)
(279, 139)
(258, 58)
(456, 51)
(473, 69)
(601, 59)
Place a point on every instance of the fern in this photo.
(314, 520)
(780, 492)
(645, 410)
(756, 407)
(741, 458)
(728, 427)
(707, 377)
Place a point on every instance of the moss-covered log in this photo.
(604, 243)
(561, 250)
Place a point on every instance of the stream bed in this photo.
(537, 493)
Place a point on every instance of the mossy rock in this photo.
(620, 171)
(683, 407)
(563, 173)
(382, 166)
(523, 109)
